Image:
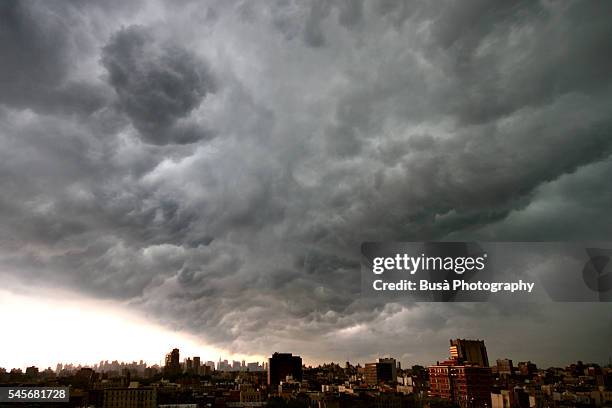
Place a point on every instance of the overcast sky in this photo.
(215, 166)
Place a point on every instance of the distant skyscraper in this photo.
(172, 365)
(196, 365)
(281, 365)
(224, 365)
(469, 352)
(236, 365)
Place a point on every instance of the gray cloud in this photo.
(218, 167)
(158, 85)
(36, 45)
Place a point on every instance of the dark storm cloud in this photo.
(350, 13)
(313, 34)
(37, 48)
(158, 85)
(336, 122)
(477, 37)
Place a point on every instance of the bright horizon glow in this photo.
(44, 331)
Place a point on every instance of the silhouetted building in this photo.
(172, 365)
(196, 365)
(31, 372)
(471, 352)
(236, 365)
(281, 365)
(84, 377)
(384, 371)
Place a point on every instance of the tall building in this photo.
(172, 365)
(370, 373)
(391, 364)
(281, 365)
(223, 365)
(196, 365)
(236, 366)
(384, 371)
(468, 386)
(466, 378)
(471, 352)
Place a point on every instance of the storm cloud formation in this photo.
(157, 86)
(218, 165)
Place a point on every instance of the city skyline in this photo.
(204, 361)
(464, 379)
